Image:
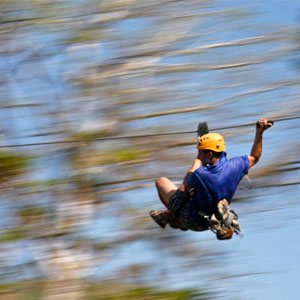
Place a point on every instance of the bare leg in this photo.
(166, 189)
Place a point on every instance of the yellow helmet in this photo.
(211, 141)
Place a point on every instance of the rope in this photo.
(137, 136)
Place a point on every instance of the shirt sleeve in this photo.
(243, 164)
(191, 180)
(245, 160)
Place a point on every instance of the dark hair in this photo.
(214, 153)
(217, 154)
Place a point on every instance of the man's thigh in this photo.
(166, 189)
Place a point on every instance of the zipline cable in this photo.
(138, 136)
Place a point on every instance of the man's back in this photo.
(215, 182)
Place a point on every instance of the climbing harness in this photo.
(224, 222)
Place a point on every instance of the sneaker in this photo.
(160, 217)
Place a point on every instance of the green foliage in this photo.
(32, 214)
(122, 155)
(12, 165)
(83, 37)
(108, 291)
(88, 136)
(26, 290)
(110, 156)
(120, 292)
(13, 234)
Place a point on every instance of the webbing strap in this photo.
(228, 221)
(210, 194)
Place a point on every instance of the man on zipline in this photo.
(202, 201)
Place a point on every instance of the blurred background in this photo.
(99, 98)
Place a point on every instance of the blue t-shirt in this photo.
(215, 182)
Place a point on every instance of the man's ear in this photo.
(210, 154)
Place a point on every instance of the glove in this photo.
(224, 222)
(225, 233)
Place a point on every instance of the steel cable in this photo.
(138, 136)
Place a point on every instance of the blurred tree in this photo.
(12, 165)
(82, 72)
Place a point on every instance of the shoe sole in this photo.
(163, 226)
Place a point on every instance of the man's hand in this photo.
(263, 124)
(256, 151)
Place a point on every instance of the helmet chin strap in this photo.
(210, 158)
(208, 161)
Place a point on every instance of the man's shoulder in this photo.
(198, 171)
(240, 158)
(240, 161)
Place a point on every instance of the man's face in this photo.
(204, 156)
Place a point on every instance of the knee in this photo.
(161, 181)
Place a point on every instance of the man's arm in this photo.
(256, 150)
(196, 164)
